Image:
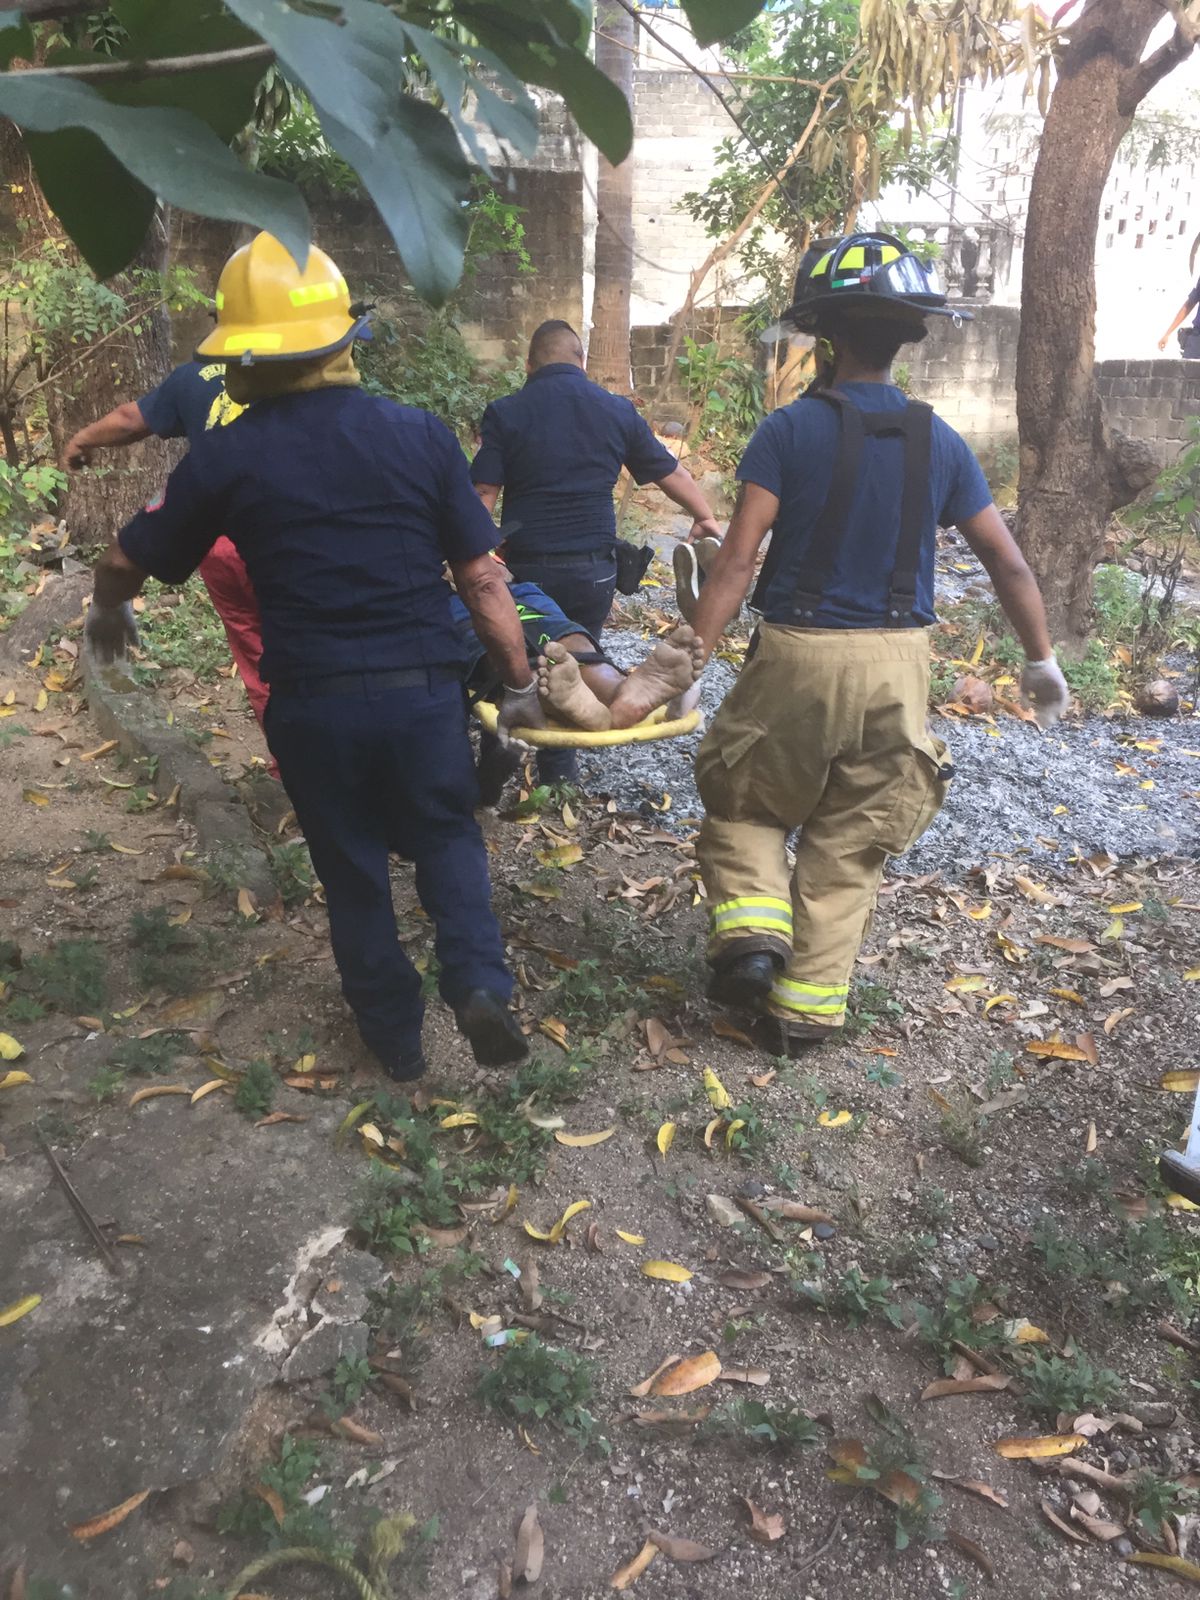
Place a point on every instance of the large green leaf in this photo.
(529, 47)
(337, 66)
(74, 170)
(417, 177)
(172, 153)
(713, 20)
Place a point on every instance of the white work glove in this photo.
(519, 708)
(110, 631)
(1044, 690)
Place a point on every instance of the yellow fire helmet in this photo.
(268, 310)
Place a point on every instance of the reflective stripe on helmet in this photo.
(311, 294)
(252, 341)
(220, 301)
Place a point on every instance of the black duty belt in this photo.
(914, 424)
(562, 558)
(365, 682)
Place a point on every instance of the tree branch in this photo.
(1156, 67)
(163, 67)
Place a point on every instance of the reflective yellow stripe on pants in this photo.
(756, 913)
(824, 1002)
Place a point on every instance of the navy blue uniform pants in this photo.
(584, 589)
(375, 772)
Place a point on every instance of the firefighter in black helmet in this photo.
(825, 730)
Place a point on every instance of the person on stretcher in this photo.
(578, 685)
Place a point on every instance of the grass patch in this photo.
(73, 977)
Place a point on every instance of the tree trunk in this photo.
(608, 347)
(1071, 479)
(98, 502)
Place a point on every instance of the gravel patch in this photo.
(1011, 782)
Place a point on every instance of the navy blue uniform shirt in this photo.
(189, 401)
(557, 447)
(343, 507)
(792, 454)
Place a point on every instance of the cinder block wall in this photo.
(969, 373)
(1151, 400)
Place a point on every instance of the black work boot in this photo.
(491, 1029)
(791, 1039)
(402, 1066)
(746, 981)
(497, 764)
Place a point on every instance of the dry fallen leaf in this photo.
(792, 1210)
(207, 1089)
(765, 1526)
(273, 1117)
(157, 1090)
(1184, 1082)
(1098, 1527)
(974, 1486)
(726, 1030)
(697, 1372)
(10, 1048)
(641, 1390)
(584, 1141)
(1057, 1049)
(554, 1030)
(667, 1271)
(736, 1278)
(718, 1095)
(273, 1500)
(758, 1376)
(676, 1549)
(986, 1383)
(531, 1545)
(1187, 1570)
(665, 1137)
(1055, 1521)
(108, 1519)
(14, 1080)
(834, 1119)
(18, 1309)
(624, 1577)
(1040, 1447)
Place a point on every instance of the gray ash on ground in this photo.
(1010, 782)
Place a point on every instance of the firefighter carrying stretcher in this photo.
(825, 730)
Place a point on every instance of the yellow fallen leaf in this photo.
(10, 1048)
(207, 1088)
(42, 700)
(561, 855)
(10, 697)
(967, 983)
(584, 1141)
(1022, 1331)
(100, 750)
(1192, 975)
(14, 1080)
(624, 1577)
(351, 1117)
(1176, 1564)
(128, 850)
(536, 1233)
(710, 1133)
(556, 1232)
(19, 1309)
(718, 1095)
(156, 1091)
(1032, 890)
(305, 1063)
(245, 904)
(999, 1000)
(460, 1119)
(1041, 1447)
(980, 913)
(109, 1519)
(370, 1134)
(1126, 908)
(697, 1372)
(1060, 811)
(665, 1137)
(629, 1238)
(181, 918)
(7, 711)
(666, 1271)
(1072, 995)
(554, 1030)
(1114, 930)
(1180, 1202)
(1057, 1049)
(835, 1119)
(1177, 1082)
(35, 797)
(731, 1130)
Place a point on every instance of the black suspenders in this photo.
(914, 424)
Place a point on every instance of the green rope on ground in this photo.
(301, 1553)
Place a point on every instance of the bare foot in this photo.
(670, 669)
(564, 694)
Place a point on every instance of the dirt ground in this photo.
(978, 1150)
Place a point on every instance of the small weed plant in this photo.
(536, 1382)
(1069, 1385)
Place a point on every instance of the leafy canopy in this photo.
(401, 92)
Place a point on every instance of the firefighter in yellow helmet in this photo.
(825, 730)
(344, 507)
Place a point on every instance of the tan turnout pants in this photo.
(825, 731)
